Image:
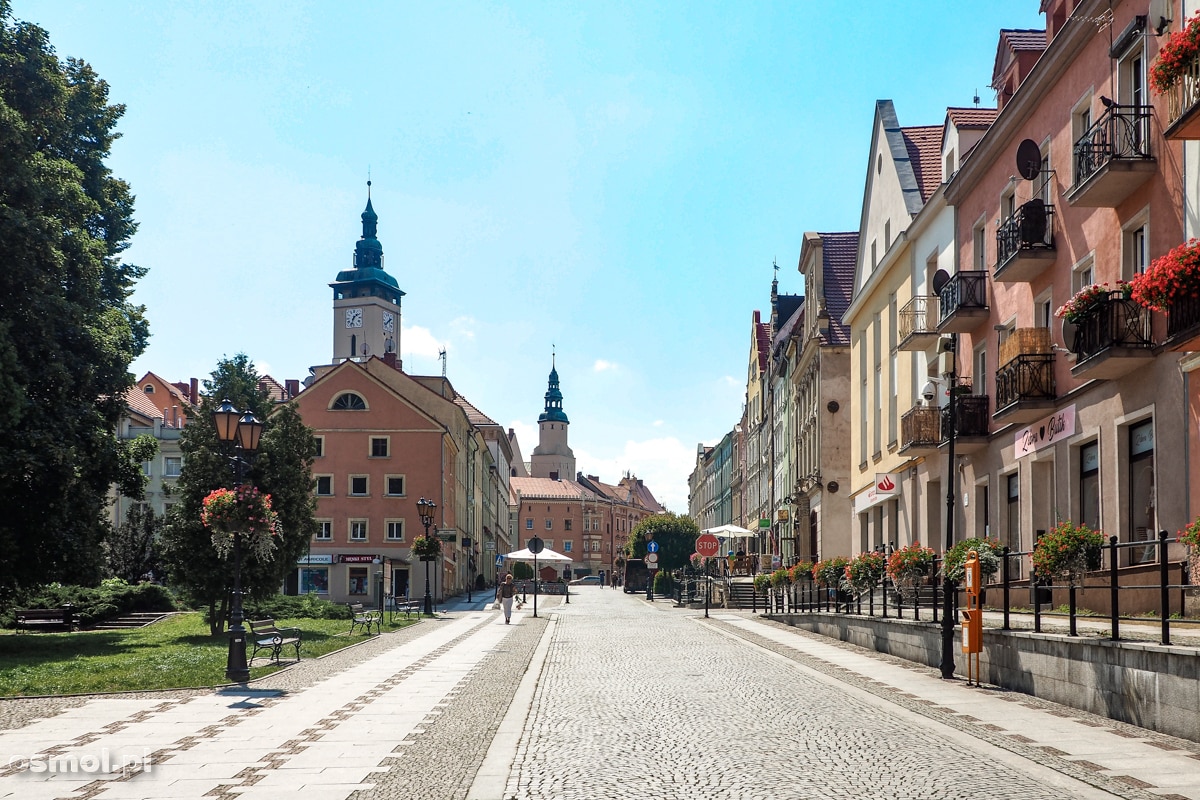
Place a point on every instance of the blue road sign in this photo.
(499, 561)
(652, 546)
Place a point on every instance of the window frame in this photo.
(390, 526)
(387, 446)
(352, 525)
(387, 485)
(324, 531)
(366, 479)
(317, 485)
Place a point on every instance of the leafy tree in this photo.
(68, 332)
(676, 537)
(132, 549)
(283, 469)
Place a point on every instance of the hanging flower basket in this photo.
(244, 511)
(1169, 278)
(762, 582)
(909, 567)
(780, 577)
(1089, 299)
(830, 572)
(1067, 552)
(986, 550)
(426, 548)
(1190, 536)
(802, 571)
(697, 561)
(1175, 55)
(865, 571)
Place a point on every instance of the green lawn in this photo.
(175, 653)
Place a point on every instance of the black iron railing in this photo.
(918, 316)
(1184, 316)
(1121, 133)
(1115, 321)
(972, 413)
(967, 289)
(1029, 376)
(1031, 227)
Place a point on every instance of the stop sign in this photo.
(707, 545)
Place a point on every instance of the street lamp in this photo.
(382, 563)
(947, 665)
(239, 434)
(425, 509)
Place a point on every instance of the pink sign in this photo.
(1053, 429)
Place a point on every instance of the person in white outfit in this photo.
(505, 593)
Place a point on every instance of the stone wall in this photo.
(1148, 685)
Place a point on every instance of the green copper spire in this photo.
(554, 412)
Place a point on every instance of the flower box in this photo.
(1175, 55)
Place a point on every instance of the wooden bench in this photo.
(400, 605)
(32, 619)
(265, 636)
(364, 618)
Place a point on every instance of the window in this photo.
(595, 545)
(358, 530)
(979, 257)
(358, 485)
(324, 485)
(567, 545)
(379, 447)
(314, 579)
(566, 524)
(1081, 121)
(979, 370)
(395, 530)
(1142, 517)
(172, 466)
(349, 401)
(320, 440)
(149, 388)
(549, 524)
(1131, 89)
(1089, 485)
(1136, 255)
(358, 580)
(1043, 311)
(395, 485)
(147, 468)
(549, 543)
(324, 530)
(1084, 274)
(529, 523)
(1012, 529)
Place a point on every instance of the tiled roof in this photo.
(794, 319)
(641, 495)
(840, 255)
(546, 487)
(172, 388)
(925, 154)
(762, 340)
(971, 118)
(474, 415)
(1024, 38)
(139, 403)
(274, 389)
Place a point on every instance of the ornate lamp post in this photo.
(948, 622)
(239, 435)
(425, 509)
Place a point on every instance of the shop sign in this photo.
(885, 487)
(356, 559)
(325, 559)
(1053, 429)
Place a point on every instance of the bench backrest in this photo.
(41, 613)
(356, 608)
(262, 626)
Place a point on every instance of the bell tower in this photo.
(366, 299)
(552, 458)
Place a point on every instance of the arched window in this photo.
(149, 388)
(349, 401)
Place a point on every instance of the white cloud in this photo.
(603, 366)
(418, 341)
(663, 465)
(527, 437)
(464, 327)
(658, 423)
(732, 382)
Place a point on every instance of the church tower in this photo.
(366, 300)
(552, 458)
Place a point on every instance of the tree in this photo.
(132, 549)
(68, 332)
(676, 537)
(283, 469)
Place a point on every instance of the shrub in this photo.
(664, 583)
(307, 606)
(111, 599)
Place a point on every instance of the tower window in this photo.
(349, 401)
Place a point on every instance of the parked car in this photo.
(587, 580)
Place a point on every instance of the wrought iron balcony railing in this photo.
(919, 315)
(1122, 133)
(1183, 321)
(1182, 99)
(1115, 321)
(920, 427)
(1029, 376)
(1031, 227)
(972, 413)
(964, 290)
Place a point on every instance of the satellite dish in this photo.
(1160, 15)
(1029, 159)
(940, 279)
(1068, 332)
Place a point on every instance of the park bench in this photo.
(364, 618)
(402, 605)
(32, 619)
(266, 636)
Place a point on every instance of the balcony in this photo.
(971, 433)
(1025, 388)
(1112, 158)
(920, 431)
(918, 324)
(1025, 243)
(1183, 325)
(1113, 340)
(962, 302)
(1183, 104)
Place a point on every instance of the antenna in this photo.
(1029, 159)
(442, 356)
(976, 97)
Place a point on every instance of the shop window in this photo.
(1089, 485)
(314, 580)
(1141, 498)
(358, 580)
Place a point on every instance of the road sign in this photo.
(652, 560)
(707, 545)
(499, 561)
(535, 545)
(651, 547)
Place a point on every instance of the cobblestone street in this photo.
(609, 696)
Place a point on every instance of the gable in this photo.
(386, 408)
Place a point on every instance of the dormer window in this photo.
(148, 388)
(349, 401)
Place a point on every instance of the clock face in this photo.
(389, 322)
(353, 317)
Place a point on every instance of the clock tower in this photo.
(553, 458)
(366, 300)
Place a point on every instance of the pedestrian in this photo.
(505, 593)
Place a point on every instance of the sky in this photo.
(608, 182)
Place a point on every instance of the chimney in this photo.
(293, 388)
(174, 416)
(195, 393)
(390, 360)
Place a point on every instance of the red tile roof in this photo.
(274, 389)
(840, 256)
(1025, 38)
(972, 118)
(924, 145)
(139, 403)
(546, 488)
(474, 415)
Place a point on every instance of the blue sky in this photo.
(610, 179)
